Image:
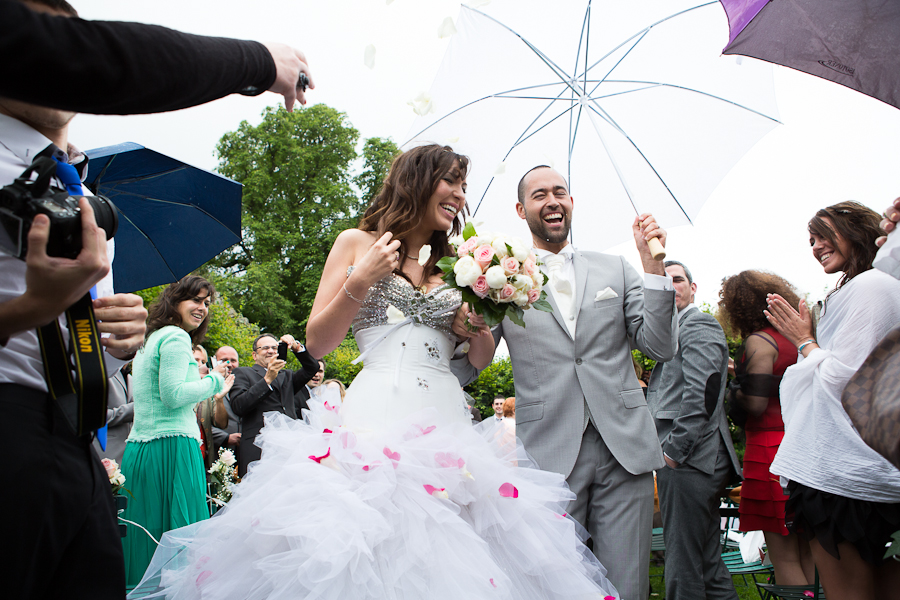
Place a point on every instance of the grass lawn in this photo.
(746, 590)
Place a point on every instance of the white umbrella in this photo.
(631, 100)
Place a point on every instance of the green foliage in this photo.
(298, 195)
(495, 380)
(337, 364)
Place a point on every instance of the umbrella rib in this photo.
(184, 204)
(652, 84)
(557, 70)
(152, 245)
(612, 121)
(644, 31)
(618, 62)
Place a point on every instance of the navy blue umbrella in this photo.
(172, 217)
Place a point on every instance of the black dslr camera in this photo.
(25, 198)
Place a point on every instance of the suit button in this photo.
(578, 361)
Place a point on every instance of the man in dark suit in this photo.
(686, 400)
(264, 387)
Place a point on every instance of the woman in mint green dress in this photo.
(163, 465)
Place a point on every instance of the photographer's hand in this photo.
(54, 283)
(123, 316)
(289, 63)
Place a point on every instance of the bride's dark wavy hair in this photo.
(400, 205)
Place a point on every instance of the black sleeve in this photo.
(105, 67)
(245, 394)
(309, 366)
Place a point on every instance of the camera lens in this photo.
(105, 213)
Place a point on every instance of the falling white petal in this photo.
(422, 104)
(369, 56)
(394, 315)
(453, 139)
(424, 254)
(501, 169)
(447, 28)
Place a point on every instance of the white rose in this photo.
(522, 282)
(520, 298)
(457, 240)
(519, 251)
(499, 246)
(228, 458)
(467, 271)
(119, 479)
(538, 279)
(496, 277)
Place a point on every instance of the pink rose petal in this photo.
(391, 455)
(327, 431)
(508, 490)
(808, 594)
(319, 459)
(492, 582)
(203, 577)
(609, 598)
(348, 439)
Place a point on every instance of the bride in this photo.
(393, 494)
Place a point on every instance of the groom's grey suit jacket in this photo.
(555, 374)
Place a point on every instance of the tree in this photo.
(495, 380)
(298, 195)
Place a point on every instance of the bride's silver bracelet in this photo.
(351, 296)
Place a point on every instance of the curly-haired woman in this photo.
(761, 363)
(844, 496)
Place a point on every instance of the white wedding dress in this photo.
(391, 495)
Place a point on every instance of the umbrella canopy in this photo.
(630, 100)
(853, 43)
(172, 217)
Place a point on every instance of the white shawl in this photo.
(821, 448)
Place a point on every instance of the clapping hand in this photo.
(889, 223)
(796, 326)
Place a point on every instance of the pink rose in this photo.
(529, 266)
(507, 292)
(533, 296)
(110, 466)
(466, 247)
(483, 255)
(481, 287)
(510, 265)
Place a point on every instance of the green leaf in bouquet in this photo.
(516, 315)
(894, 549)
(509, 251)
(472, 298)
(468, 231)
(446, 265)
(492, 319)
(542, 303)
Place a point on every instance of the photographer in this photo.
(59, 511)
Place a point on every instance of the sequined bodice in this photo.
(428, 309)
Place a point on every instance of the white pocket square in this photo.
(605, 295)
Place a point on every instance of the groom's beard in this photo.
(539, 229)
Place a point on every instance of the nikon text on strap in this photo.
(82, 401)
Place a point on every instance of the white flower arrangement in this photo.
(224, 477)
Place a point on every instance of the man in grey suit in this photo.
(579, 408)
(685, 397)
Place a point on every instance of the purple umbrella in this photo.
(855, 43)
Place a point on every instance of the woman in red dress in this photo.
(762, 361)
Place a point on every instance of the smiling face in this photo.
(831, 255)
(229, 356)
(547, 208)
(446, 202)
(266, 350)
(498, 406)
(684, 289)
(193, 311)
(317, 378)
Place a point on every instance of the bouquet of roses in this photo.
(116, 478)
(224, 477)
(497, 275)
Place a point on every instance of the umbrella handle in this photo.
(656, 249)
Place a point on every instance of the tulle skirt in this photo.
(417, 510)
(167, 485)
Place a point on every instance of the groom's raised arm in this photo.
(650, 316)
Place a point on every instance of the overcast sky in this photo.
(834, 144)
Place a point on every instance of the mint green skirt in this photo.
(167, 482)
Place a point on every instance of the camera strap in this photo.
(82, 400)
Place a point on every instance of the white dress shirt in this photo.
(20, 359)
(565, 302)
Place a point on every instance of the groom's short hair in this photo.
(522, 181)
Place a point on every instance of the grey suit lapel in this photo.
(685, 314)
(581, 271)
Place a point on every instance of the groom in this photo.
(579, 408)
